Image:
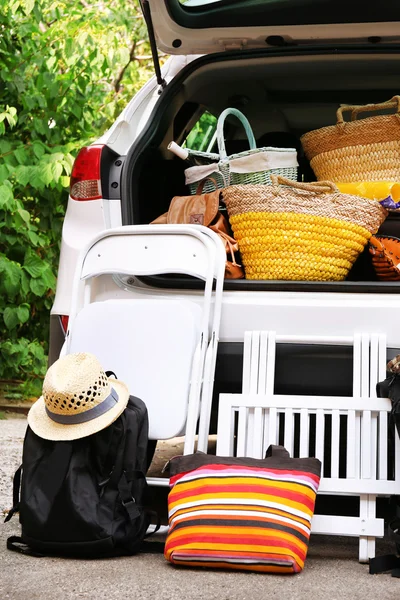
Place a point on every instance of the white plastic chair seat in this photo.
(149, 344)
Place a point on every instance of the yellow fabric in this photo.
(373, 190)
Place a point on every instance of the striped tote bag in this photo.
(241, 513)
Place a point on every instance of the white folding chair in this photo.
(160, 345)
(249, 422)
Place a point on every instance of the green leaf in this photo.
(3, 173)
(76, 110)
(28, 6)
(24, 214)
(55, 157)
(10, 317)
(57, 170)
(46, 173)
(12, 275)
(49, 279)
(38, 150)
(5, 146)
(34, 265)
(37, 350)
(23, 313)
(33, 237)
(10, 239)
(25, 287)
(51, 62)
(69, 47)
(6, 195)
(38, 286)
(20, 155)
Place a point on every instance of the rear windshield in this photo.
(197, 14)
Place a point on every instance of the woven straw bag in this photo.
(365, 150)
(300, 231)
(251, 166)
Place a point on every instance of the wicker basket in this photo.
(300, 231)
(251, 166)
(365, 150)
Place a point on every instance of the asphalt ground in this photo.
(332, 570)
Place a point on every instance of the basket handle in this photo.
(220, 130)
(355, 110)
(319, 187)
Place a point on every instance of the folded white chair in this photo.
(161, 347)
(249, 422)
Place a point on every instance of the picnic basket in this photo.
(357, 150)
(300, 231)
(253, 166)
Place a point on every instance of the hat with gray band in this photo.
(78, 399)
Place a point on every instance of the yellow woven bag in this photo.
(300, 231)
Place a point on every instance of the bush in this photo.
(67, 69)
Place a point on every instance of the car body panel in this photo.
(207, 40)
(83, 219)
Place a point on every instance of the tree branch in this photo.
(117, 82)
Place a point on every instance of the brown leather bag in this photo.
(203, 209)
(385, 251)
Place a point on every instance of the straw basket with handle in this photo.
(300, 231)
(357, 150)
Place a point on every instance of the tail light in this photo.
(64, 323)
(85, 177)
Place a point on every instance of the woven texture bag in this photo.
(300, 231)
(251, 166)
(241, 513)
(364, 150)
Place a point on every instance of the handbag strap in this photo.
(202, 183)
(276, 452)
(16, 494)
(17, 544)
(318, 187)
(220, 130)
(356, 110)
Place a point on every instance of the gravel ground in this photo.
(12, 431)
(332, 568)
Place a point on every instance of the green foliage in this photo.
(67, 68)
(17, 392)
(201, 135)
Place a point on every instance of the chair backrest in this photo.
(350, 435)
(147, 250)
(156, 344)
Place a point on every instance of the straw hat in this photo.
(78, 399)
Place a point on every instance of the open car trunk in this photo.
(284, 93)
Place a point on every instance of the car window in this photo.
(199, 14)
(202, 136)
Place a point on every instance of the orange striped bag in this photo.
(241, 513)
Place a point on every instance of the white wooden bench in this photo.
(348, 434)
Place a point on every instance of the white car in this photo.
(287, 65)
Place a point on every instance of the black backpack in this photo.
(390, 388)
(84, 497)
